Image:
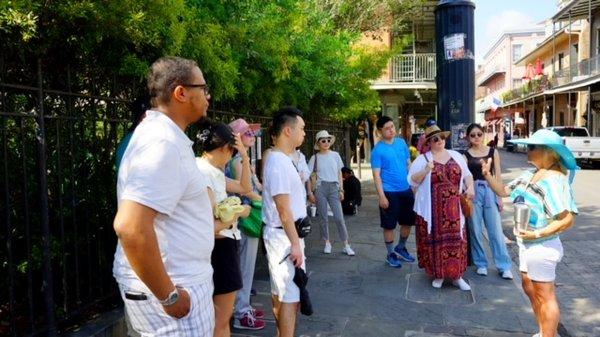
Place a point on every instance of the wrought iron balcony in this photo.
(577, 72)
(413, 68)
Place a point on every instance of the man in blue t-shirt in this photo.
(390, 161)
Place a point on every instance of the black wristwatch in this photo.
(171, 299)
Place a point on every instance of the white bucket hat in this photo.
(323, 134)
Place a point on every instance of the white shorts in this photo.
(281, 274)
(539, 260)
(148, 318)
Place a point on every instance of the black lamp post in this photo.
(455, 79)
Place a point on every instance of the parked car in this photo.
(586, 149)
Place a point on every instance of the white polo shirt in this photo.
(281, 177)
(158, 170)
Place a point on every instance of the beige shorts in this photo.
(539, 260)
(281, 274)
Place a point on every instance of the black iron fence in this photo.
(58, 200)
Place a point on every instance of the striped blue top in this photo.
(548, 197)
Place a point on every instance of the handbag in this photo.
(313, 176)
(466, 205)
(252, 224)
(303, 227)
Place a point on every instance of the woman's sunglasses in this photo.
(436, 139)
(476, 135)
(531, 147)
(250, 133)
(325, 140)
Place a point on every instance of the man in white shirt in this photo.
(164, 219)
(284, 202)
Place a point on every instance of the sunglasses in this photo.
(325, 140)
(531, 147)
(476, 135)
(436, 139)
(250, 133)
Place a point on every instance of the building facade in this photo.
(407, 86)
(499, 73)
(562, 81)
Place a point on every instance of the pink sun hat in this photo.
(241, 126)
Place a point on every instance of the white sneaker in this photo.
(437, 283)
(462, 284)
(482, 271)
(507, 275)
(348, 250)
(327, 249)
(539, 334)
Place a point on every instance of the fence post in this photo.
(48, 287)
(348, 147)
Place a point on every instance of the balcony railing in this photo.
(534, 86)
(577, 72)
(413, 68)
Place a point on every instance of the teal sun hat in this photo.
(552, 140)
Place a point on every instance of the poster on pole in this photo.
(454, 46)
(459, 141)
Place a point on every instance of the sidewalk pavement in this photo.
(362, 296)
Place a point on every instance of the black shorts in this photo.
(400, 209)
(225, 261)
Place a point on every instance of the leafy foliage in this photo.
(256, 55)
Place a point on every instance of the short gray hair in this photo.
(166, 74)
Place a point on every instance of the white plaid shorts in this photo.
(148, 318)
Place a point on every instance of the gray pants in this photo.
(329, 193)
(248, 250)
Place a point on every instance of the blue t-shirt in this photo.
(548, 197)
(392, 160)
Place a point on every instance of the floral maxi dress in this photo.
(443, 252)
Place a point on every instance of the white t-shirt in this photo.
(329, 166)
(215, 178)
(158, 170)
(278, 179)
(299, 162)
(216, 182)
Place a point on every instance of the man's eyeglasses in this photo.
(325, 140)
(204, 87)
(476, 135)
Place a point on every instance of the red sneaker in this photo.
(248, 322)
(257, 313)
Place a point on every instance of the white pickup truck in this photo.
(578, 140)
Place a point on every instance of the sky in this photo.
(493, 16)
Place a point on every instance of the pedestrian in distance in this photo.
(390, 161)
(486, 207)
(218, 144)
(164, 219)
(245, 316)
(440, 177)
(284, 203)
(547, 192)
(352, 192)
(329, 189)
